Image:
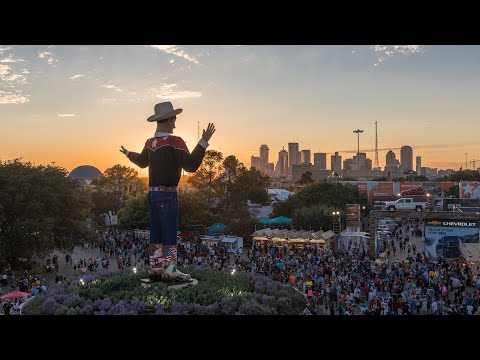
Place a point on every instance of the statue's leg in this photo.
(156, 209)
(156, 259)
(170, 264)
(170, 243)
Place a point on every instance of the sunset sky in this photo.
(75, 105)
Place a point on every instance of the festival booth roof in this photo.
(217, 228)
(266, 221)
(327, 235)
(15, 294)
(281, 220)
(229, 239)
(315, 241)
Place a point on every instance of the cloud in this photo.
(171, 91)
(110, 86)
(4, 69)
(5, 48)
(8, 74)
(175, 50)
(13, 98)
(10, 59)
(384, 52)
(66, 115)
(76, 77)
(48, 56)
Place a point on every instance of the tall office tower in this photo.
(292, 156)
(264, 157)
(255, 162)
(336, 164)
(282, 163)
(320, 160)
(406, 158)
(419, 165)
(305, 158)
(391, 159)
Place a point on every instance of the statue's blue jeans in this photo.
(163, 215)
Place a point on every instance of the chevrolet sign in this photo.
(459, 223)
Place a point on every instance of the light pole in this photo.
(358, 132)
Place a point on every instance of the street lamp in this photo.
(358, 132)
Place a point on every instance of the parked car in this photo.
(413, 192)
(406, 204)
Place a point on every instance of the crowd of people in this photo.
(348, 281)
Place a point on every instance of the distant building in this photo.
(305, 157)
(392, 165)
(282, 164)
(264, 157)
(255, 162)
(406, 159)
(85, 174)
(293, 155)
(320, 160)
(419, 165)
(336, 163)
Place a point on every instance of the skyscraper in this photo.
(305, 157)
(336, 164)
(282, 163)
(255, 162)
(293, 155)
(406, 158)
(419, 165)
(320, 160)
(264, 157)
(391, 159)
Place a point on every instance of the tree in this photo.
(316, 217)
(227, 181)
(331, 195)
(306, 178)
(465, 175)
(42, 209)
(205, 178)
(113, 189)
(194, 210)
(134, 215)
(254, 184)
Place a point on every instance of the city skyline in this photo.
(75, 105)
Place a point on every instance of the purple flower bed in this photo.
(249, 293)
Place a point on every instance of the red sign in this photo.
(445, 186)
(409, 185)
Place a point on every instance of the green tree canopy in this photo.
(306, 178)
(320, 193)
(315, 217)
(42, 209)
(134, 215)
(113, 189)
(462, 175)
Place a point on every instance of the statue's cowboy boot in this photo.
(157, 261)
(171, 273)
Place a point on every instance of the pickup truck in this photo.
(405, 204)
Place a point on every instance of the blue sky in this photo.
(75, 105)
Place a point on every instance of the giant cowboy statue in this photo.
(166, 155)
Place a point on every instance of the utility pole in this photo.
(474, 162)
(466, 161)
(376, 146)
(358, 132)
(198, 131)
